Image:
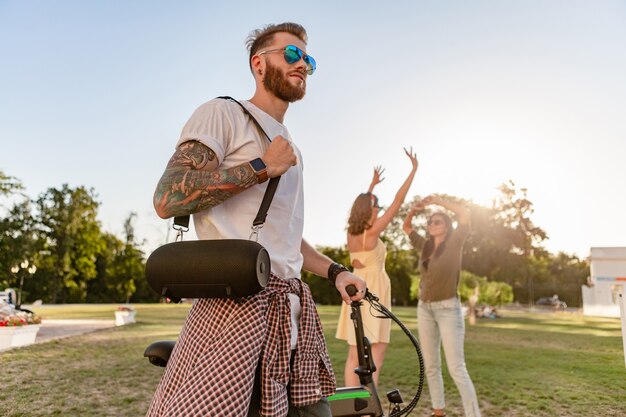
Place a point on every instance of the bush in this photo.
(490, 293)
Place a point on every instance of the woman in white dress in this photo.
(367, 255)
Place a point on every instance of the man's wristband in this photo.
(333, 270)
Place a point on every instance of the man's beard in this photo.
(277, 83)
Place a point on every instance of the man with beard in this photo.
(265, 354)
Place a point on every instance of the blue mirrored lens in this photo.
(310, 64)
(294, 54)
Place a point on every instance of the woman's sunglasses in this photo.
(375, 202)
(293, 54)
(435, 222)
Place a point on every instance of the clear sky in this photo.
(96, 93)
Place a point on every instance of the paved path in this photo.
(58, 329)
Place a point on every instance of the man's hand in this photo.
(279, 157)
(346, 278)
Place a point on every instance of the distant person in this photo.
(367, 254)
(439, 316)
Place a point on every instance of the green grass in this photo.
(555, 364)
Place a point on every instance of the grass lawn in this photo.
(524, 364)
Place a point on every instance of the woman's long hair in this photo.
(361, 213)
(430, 243)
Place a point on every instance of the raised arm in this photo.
(407, 226)
(461, 212)
(416, 240)
(381, 222)
(376, 179)
(193, 181)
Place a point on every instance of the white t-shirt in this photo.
(223, 126)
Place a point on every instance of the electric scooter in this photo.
(347, 401)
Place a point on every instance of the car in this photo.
(553, 302)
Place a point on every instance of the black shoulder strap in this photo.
(259, 220)
(246, 111)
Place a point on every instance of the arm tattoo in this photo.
(187, 186)
(192, 154)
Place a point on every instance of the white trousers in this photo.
(441, 322)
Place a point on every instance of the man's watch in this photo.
(259, 168)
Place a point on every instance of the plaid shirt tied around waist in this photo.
(212, 368)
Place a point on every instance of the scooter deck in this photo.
(352, 401)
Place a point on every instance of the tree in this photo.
(127, 264)
(71, 241)
(490, 293)
(102, 288)
(17, 241)
(504, 237)
(568, 274)
(9, 185)
(402, 267)
(513, 208)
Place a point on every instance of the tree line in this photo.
(503, 255)
(77, 261)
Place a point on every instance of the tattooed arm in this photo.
(192, 181)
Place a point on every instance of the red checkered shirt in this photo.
(212, 368)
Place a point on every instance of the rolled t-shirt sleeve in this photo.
(211, 125)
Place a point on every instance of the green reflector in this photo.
(348, 395)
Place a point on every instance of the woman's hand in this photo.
(462, 213)
(431, 200)
(377, 178)
(418, 207)
(413, 158)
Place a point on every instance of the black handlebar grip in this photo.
(351, 290)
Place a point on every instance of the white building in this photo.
(607, 282)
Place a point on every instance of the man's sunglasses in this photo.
(293, 54)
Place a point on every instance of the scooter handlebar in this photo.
(351, 290)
